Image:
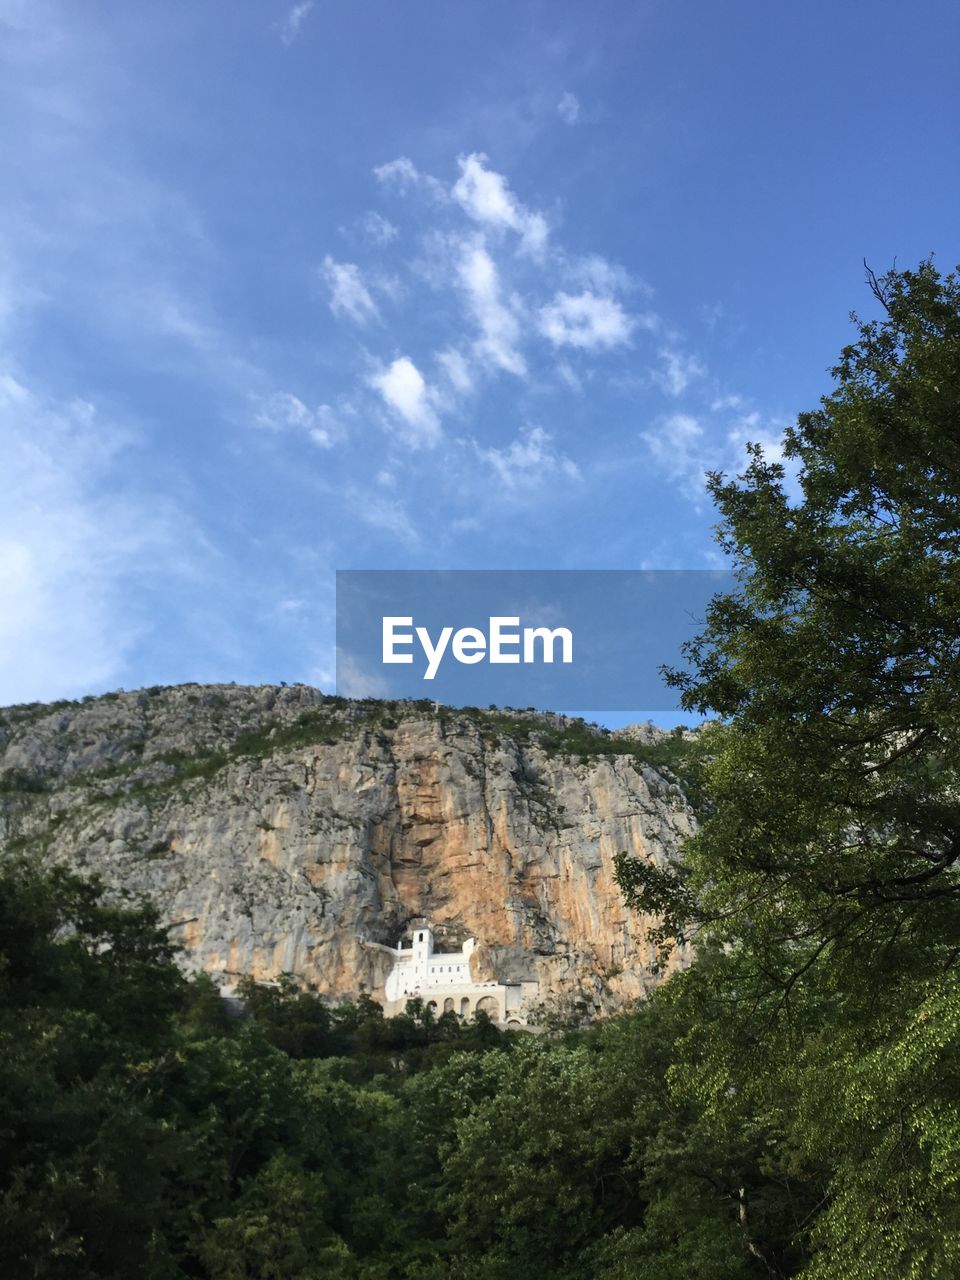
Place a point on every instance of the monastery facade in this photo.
(442, 979)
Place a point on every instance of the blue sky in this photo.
(292, 287)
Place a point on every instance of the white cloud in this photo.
(569, 377)
(355, 681)
(387, 284)
(378, 229)
(281, 410)
(499, 327)
(75, 547)
(385, 514)
(529, 460)
(679, 448)
(403, 175)
(727, 402)
(348, 294)
(127, 258)
(568, 108)
(749, 430)
(535, 233)
(457, 369)
(484, 196)
(585, 320)
(290, 28)
(404, 390)
(684, 451)
(323, 436)
(596, 273)
(678, 371)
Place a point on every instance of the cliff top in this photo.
(195, 728)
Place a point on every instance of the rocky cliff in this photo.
(281, 830)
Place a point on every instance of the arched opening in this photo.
(489, 1006)
(448, 1005)
(465, 1007)
(514, 1024)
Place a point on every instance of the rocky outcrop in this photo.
(279, 830)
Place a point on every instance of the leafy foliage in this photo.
(146, 1132)
(829, 865)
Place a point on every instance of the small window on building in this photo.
(419, 937)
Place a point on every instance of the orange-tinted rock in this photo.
(298, 858)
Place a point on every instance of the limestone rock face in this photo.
(279, 830)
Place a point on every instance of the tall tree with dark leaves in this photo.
(828, 867)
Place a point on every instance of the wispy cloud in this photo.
(684, 448)
(499, 327)
(349, 296)
(485, 197)
(128, 258)
(677, 371)
(518, 298)
(679, 447)
(282, 410)
(585, 320)
(457, 369)
(378, 229)
(568, 108)
(72, 545)
(597, 273)
(403, 175)
(529, 461)
(732, 401)
(291, 26)
(751, 429)
(355, 681)
(569, 377)
(384, 513)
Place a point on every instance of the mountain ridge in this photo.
(279, 829)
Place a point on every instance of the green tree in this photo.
(829, 864)
(145, 1135)
(276, 1230)
(296, 1021)
(87, 994)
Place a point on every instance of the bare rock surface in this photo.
(281, 830)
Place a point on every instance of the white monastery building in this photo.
(442, 979)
